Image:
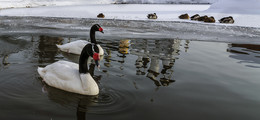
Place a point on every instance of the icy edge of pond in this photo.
(130, 29)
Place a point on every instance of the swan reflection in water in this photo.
(47, 49)
(151, 52)
(77, 102)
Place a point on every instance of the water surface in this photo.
(149, 78)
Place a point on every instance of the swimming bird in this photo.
(76, 47)
(73, 77)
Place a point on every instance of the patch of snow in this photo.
(245, 13)
(165, 1)
(236, 6)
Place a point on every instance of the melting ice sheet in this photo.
(129, 29)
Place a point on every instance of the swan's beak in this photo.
(102, 32)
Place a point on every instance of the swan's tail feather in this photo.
(59, 46)
(63, 48)
(41, 71)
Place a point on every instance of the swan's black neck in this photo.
(92, 36)
(87, 51)
(83, 60)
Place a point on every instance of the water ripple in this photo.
(108, 101)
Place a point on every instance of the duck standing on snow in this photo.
(202, 18)
(76, 47)
(227, 20)
(184, 16)
(152, 16)
(101, 15)
(210, 19)
(195, 17)
(74, 77)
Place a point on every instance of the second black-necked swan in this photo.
(76, 47)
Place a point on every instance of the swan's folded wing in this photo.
(74, 47)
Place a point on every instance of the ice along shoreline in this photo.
(13, 25)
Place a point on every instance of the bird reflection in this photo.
(156, 52)
(141, 65)
(246, 53)
(124, 46)
(186, 45)
(153, 71)
(123, 50)
(47, 48)
(82, 108)
(107, 58)
(69, 100)
(167, 72)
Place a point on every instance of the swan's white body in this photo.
(76, 47)
(65, 75)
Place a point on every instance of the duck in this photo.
(101, 15)
(184, 16)
(195, 17)
(73, 77)
(227, 20)
(124, 43)
(76, 47)
(152, 16)
(202, 18)
(210, 19)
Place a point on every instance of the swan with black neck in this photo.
(76, 47)
(73, 77)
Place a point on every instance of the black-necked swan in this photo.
(73, 77)
(76, 47)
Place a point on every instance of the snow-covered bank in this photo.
(236, 6)
(37, 3)
(165, 1)
(165, 12)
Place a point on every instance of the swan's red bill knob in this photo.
(96, 56)
(101, 29)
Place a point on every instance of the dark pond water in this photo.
(151, 79)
